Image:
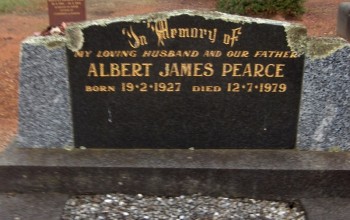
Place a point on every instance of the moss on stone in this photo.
(51, 42)
(335, 149)
(55, 44)
(321, 47)
(297, 38)
(75, 38)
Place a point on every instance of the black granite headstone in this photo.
(185, 81)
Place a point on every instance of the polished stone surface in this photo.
(238, 87)
(32, 206)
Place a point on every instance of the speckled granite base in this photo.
(325, 108)
(44, 103)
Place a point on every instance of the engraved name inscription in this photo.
(163, 32)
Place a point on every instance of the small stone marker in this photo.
(343, 24)
(66, 11)
(185, 80)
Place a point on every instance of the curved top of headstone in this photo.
(52, 41)
(296, 34)
(210, 15)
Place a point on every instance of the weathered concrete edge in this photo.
(326, 208)
(235, 173)
(178, 158)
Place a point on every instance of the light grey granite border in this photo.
(45, 119)
(296, 33)
(324, 123)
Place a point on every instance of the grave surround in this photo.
(46, 121)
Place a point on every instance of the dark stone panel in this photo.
(135, 112)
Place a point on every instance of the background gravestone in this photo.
(185, 81)
(66, 11)
(343, 23)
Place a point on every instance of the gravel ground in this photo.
(120, 206)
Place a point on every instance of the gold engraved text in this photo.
(135, 41)
(187, 69)
(253, 70)
(257, 87)
(163, 32)
(100, 89)
(237, 53)
(170, 53)
(82, 54)
(212, 53)
(276, 54)
(116, 53)
(231, 39)
(119, 70)
(206, 89)
(151, 87)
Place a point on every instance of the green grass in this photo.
(288, 8)
(9, 6)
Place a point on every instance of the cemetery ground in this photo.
(320, 20)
